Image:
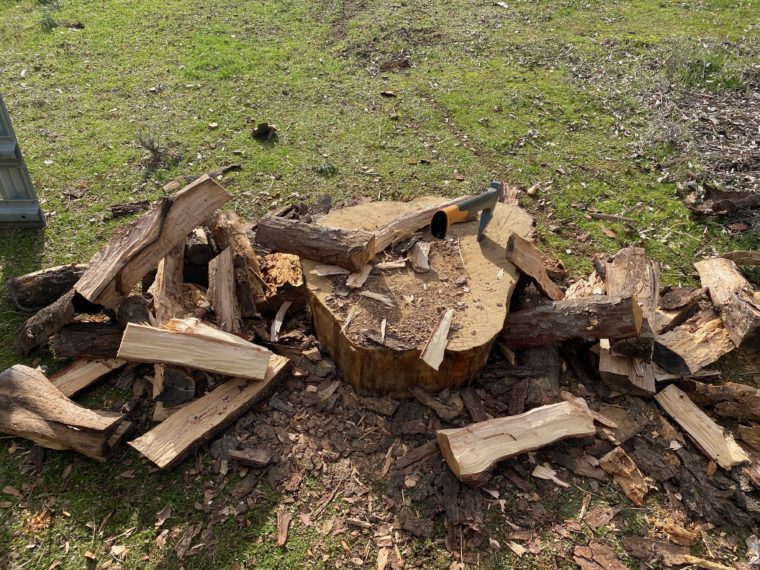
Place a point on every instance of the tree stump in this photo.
(379, 350)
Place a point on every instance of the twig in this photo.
(329, 499)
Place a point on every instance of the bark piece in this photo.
(229, 233)
(420, 453)
(221, 292)
(447, 411)
(680, 297)
(742, 258)
(734, 297)
(380, 369)
(38, 328)
(419, 256)
(597, 316)
(356, 280)
(33, 291)
(351, 249)
(83, 374)
(405, 224)
(133, 309)
(700, 341)
(709, 436)
(729, 399)
(327, 270)
(134, 251)
(251, 456)
(198, 250)
(529, 260)
(196, 350)
(33, 408)
(87, 340)
(283, 524)
(597, 556)
(471, 451)
(169, 442)
(625, 473)
(435, 347)
(474, 404)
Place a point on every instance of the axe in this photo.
(459, 212)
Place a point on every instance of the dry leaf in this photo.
(163, 515)
(8, 490)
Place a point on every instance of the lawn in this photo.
(380, 99)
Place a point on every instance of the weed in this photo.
(696, 66)
(327, 169)
(47, 22)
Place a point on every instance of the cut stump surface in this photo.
(387, 365)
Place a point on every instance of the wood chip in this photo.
(274, 333)
(384, 299)
(357, 280)
(327, 270)
(435, 347)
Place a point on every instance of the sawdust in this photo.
(419, 300)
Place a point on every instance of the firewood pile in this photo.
(467, 351)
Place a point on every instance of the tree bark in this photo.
(351, 249)
(87, 340)
(36, 290)
(38, 328)
(229, 232)
(585, 317)
(33, 408)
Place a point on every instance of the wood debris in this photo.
(528, 259)
(432, 353)
(710, 437)
(471, 451)
(625, 473)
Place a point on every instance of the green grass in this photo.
(544, 92)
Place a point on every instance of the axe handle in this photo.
(461, 211)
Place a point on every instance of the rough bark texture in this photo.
(38, 328)
(36, 290)
(137, 249)
(229, 232)
(529, 260)
(379, 369)
(169, 442)
(471, 451)
(403, 226)
(733, 296)
(751, 257)
(32, 407)
(133, 309)
(586, 317)
(87, 340)
(730, 400)
(351, 249)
